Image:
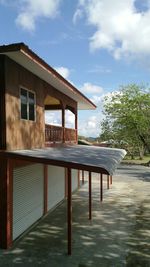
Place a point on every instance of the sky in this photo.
(98, 45)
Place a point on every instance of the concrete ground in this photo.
(117, 236)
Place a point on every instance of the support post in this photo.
(111, 179)
(45, 189)
(107, 181)
(78, 178)
(82, 177)
(76, 125)
(69, 211)
(6, 203)
(90, 197)
(101, 187)
(66, 182)
(63, 123)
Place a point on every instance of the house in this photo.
(39, 163)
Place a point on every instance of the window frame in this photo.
(28, 91)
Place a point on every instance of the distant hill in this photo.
(88, 139)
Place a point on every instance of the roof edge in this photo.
(24, 48)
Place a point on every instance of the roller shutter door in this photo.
(27, 197)
(56, 185)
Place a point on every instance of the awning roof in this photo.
(24, 56)
(90, 158)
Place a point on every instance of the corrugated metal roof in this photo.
(90, 158)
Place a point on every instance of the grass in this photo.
(136, 160)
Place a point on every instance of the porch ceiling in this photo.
(51, 101)
(21, 54)
(90, 158)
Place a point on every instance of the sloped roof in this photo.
(89, 158)
(23, 55)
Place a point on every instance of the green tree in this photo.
(127, 118)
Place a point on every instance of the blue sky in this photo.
(98, 45)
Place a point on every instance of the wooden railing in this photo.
(57, 134)
(70, 135)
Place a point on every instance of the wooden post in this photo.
(66, 182)
(76, 126)
(63, 123)
(82, 177)
(69, 210)
(101, 187)
(110, 179)
(45, 189)
(107, 181)
(90, 197)
(78, 178)
(6, 203)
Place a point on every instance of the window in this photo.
(24, 104)
(31, 100)
(27, 105)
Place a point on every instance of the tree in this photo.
(127, 118)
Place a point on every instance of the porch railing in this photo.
(70, 135)
(57, 134)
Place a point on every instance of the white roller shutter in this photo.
(74, 174)
(27, 197)
(56, 185)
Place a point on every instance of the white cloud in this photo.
(53, 117)
(92, 122)
(91, 88)
(90, 127)
(65, 72)
(96, 99)
(69, 119)
(120, 27)
(99, 69)
(31, 10)
(77, 15)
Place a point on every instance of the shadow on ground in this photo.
(117, 236)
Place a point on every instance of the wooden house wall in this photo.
(22, 134)
(2, 104)
(25, 134)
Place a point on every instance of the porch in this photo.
(58, 135)
(57, 128)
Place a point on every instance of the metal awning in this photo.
(90, 158)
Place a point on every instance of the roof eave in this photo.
(24, 49)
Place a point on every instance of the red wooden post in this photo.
(66, 183)
(69, 209)
(110, 179)
(78, 178)
(76, 126)
(63, 123)
(6, 203)
(45, 188)
(101, 187)
(107, 181)
(82, 177)
(90, 197)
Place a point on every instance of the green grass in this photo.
(136, 160)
